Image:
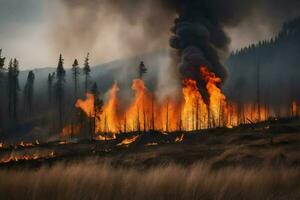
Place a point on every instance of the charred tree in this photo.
(13, 89)
(142, 70)
(86, 71)
(29, 92)
(2, 75)
(60, 90)
(51, 77)
(76, 73)
(98, 104)
(258, 92)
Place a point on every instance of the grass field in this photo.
(259, 161)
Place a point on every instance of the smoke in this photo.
(111, 29)
(199, 37)
(122, 28)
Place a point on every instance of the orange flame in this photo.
(15, 157)
(128, 141)
(189, 113)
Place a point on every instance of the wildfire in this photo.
(128, 141)
(146, 113)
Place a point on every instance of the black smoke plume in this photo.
(199, 35)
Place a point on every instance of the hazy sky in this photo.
(29, 31)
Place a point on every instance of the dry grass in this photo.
(90, 180)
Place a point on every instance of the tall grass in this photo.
(89, 180)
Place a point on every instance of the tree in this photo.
(28, 92)
(76, 72)
(59, 89)
(2, 72)
(2, 62)
(142, 70)
(98, 104)
(86, 70)
(13, 88)
(51, 77)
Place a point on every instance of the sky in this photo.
(37, 31)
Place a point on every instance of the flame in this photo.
(179, 139)
(110, 114)
(87, 105)
(145, 112)
(15, 157)
(107, 137)
(128, 141)
(1, 145)
(23, 144)
(217, 100)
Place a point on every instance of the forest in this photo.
(38, 104)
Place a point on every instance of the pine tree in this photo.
(13, 88)
(2, 74)
(10, 87)
(28, 92)
(86, 70)
(60, 86)
(76, 72)
(2, 62)
(142, 70)
(51, 77)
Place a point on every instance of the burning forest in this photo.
(142, 90)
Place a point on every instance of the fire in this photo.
(146, 113)
(179, 139)
(110, 115)
(15, 157)
(217, 99)
(1, 145)
(106, 137)
(194, 111)
(128, 141)
(24, 144)
(87, 105)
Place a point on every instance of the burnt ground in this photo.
(275, 143)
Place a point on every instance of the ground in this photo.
(255, 161)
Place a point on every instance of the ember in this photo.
(15, 157)
(128, 141)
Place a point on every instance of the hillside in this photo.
(272, 64)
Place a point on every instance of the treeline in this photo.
(268, 71)
(21, 108)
